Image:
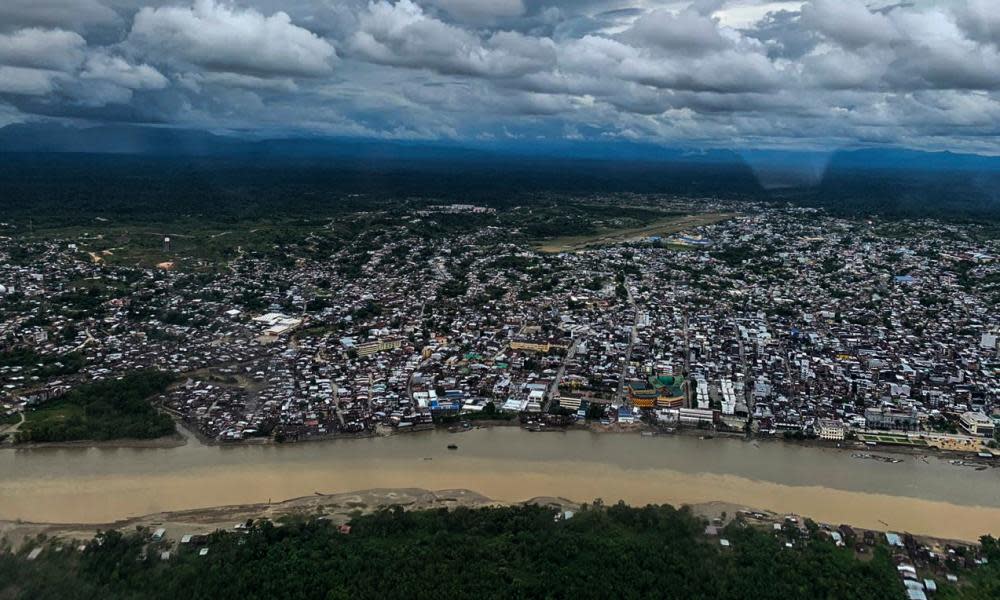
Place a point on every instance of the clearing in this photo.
(665, 226)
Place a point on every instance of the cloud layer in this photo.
(814, 73)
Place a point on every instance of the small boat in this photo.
(452, 447)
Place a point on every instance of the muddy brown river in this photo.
(94, 485)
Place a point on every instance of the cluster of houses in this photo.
(777, 322)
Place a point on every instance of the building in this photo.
(695, 416)
(278, 323)
(625, 415)
(641, 395)
(977, 424)
(665, 391)
(533, 346)
(830, 429)
(570, 402)
(989, 341)
(375, 346)
(888, 418)
(728, 397)
(701, 391)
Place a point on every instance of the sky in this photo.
(814, 74)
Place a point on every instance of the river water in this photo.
(94, 485)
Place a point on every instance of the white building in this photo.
(988, 341)
(977, 424)
(830, 429)
(728, 397)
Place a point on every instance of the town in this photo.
(766, 322)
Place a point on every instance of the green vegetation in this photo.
(33, 363)
(104, 410)
(889, 438)
(489, 413)
(516, 552)
(984, 582)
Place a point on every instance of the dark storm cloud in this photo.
(921, 73)
(67, 14)
(782, 36)
(480, 11)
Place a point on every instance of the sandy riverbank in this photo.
(175, 440)
(339, 509)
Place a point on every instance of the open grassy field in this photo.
(889, 438)
(55, 412)
(660, 227)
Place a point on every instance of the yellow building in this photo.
(664, 401)
(531, 346)
(378, 346)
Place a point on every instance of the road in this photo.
(687, 362)
(631, 342)
(84, 343)
(336, 405)
(553, 391)
(12, 428)
(746, 378)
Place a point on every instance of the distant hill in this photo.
(72, 166)
(110, 139)
(161, 141)
(901, 158)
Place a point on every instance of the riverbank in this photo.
(175, 440)
(179, 439)
(341, 508)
